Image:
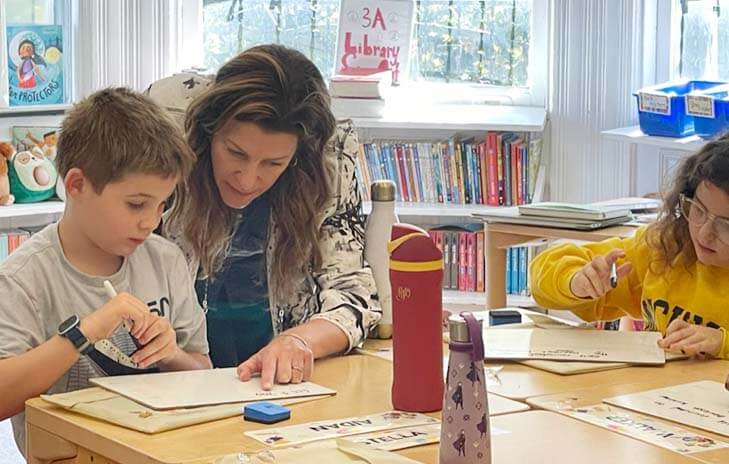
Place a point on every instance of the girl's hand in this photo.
(286, 359)
(691, 339)
(593, 280)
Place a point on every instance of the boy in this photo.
(120, 157)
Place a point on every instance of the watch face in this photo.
(68, 324)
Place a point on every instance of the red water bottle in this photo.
(416, 275)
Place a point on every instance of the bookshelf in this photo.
(30, 214)
(411, 209)
(415, 124)
(36, 110)
(457, 118)
(31, 209)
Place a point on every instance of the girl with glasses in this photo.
(674, 273)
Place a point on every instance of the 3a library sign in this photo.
(374, 35)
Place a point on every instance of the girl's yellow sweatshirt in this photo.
(697, 293)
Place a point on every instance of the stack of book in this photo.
(360, 96)
(560, 215)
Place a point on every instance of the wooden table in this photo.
(520, 382)
(498, 237)
(562, 402)
(363, 387)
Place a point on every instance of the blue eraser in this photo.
(265, 412)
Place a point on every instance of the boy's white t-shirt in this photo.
(39, 289)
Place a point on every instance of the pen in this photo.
(111, 293)
(614, 275)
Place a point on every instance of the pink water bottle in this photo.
(465, 431)
(416, 275)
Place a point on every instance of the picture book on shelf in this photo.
(35, 64)
(43, 137)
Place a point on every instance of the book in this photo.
(24, 138)
(512, 216)
(573, 211)
(358, 107)
(634, 204)
(35, 64)
(373, 85)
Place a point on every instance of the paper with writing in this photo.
(645, 429)
(406, 437)
(703, 404)
(332, 428)
(201, 388)
(574, 345)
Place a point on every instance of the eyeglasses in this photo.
(696, 214)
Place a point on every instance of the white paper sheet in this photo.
(574, 345)
(645, 429)
(704, 405)
(332, 428)
(187, 389)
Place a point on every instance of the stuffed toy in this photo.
(7, 151)
(32, 176)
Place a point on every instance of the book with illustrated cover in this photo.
(43, 137)
(35, 65)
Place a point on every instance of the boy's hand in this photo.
(593, 280)
(284, 359)
(103, 322)
(159, 343)
(691, 339)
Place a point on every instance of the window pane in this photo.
(310, 26)
(706, 40)
(473, 41)
(29, 11)
(482, 41)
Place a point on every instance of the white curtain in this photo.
(131, 42)
(602, 51)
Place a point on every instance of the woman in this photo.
(270, 216)
(673, 273)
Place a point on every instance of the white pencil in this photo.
(111, 293)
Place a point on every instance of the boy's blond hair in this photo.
(117, 131)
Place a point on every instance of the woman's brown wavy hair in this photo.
(280, 90)
(669, 235)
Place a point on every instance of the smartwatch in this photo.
(70, 330)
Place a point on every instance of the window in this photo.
(703, 27)
(44, 26)
(458, 41)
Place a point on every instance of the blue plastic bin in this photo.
(710, 109)
(662, 108)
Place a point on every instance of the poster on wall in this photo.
(374, 36)
(35, 64)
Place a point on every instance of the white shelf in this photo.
(407, 209)
(633, 134)
(458, 297)
(457, 118)
(35, 109)
(31, 209)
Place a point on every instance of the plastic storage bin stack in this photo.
(662, 108)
